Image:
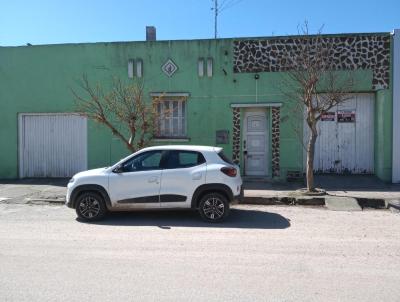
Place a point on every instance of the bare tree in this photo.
(123, 109)
(314, 85)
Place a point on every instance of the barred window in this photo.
(172, 118)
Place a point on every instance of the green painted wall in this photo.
(383, 135)
(39, 79)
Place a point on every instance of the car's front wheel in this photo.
(214, 207)
(90, 206)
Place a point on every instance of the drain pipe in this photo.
(256, 77)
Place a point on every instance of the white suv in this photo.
(170, 177)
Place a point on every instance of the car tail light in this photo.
(230, 171)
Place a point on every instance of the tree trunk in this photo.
(310, 157)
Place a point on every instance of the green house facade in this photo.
(225, 92)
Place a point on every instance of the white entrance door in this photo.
(345, 142)
(52, 145)
(255, 142)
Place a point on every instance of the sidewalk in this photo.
(360, 186)
(352, 192)
(33, 190)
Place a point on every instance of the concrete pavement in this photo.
(357, 186)
(342, 204)
(261, 253)
(33, 190)
(345, 192)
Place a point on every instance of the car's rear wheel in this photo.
(90, 206)
(213, 207)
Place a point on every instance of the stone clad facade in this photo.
(349, 53)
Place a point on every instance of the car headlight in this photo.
(71, 180)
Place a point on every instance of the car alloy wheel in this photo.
(213, 208)
(89, 207)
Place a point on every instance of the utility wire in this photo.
(229, 5)
(218, 9)
(222, 4)
(226, 3)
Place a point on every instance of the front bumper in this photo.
(68, 203)
(68, 200)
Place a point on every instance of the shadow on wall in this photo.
(238, 218)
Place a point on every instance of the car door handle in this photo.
(153, 179)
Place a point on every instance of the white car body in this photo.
(159, 188)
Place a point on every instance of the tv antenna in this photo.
(219, 8)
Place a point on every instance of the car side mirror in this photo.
(118, 169)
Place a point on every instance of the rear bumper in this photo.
(238, 198)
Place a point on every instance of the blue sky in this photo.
(74, 21)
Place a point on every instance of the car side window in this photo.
(143, 162)
(183, 159)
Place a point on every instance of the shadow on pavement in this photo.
(238, 218)
(58, 182)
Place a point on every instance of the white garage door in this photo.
(52, 145)
(346, 137)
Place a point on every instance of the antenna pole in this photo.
(215, 18)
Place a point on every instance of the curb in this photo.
(45, 200)
(316, 201)
(394, 206)
(364, 203)
(304, 200)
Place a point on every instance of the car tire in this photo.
(90, 206)
(214, 207)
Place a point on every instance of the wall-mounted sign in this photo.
(328, 116)
(346, 116)
(222, 136)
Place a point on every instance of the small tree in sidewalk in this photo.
(314, 86)
(123, 109)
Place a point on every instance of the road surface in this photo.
(262, 253)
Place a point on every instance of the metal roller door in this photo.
(346, 137)
(52, 145)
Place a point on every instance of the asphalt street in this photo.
(262, 253)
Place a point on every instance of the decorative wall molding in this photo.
(255, 105)
(169, 94)
(169, 67)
